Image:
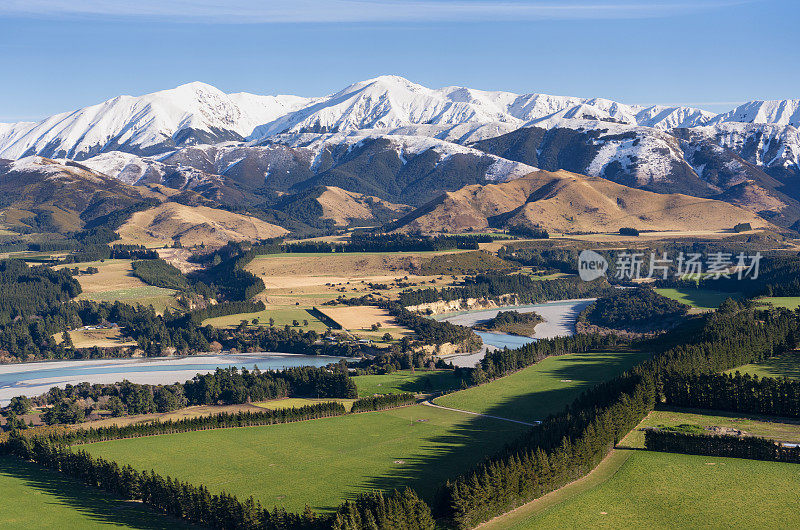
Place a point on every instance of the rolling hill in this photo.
(172, 222)
(332, 206)
(38, 194)
(568, 202)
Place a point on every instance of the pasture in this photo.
(116, 282)
(784, 430)
(666, 490)
(102, 338)
(282, 316)
(543, 388)
(784, 365)
(406, 381)
(288, 403)
(789, 302)
(34, 497)
(321, 462)
(703, 299)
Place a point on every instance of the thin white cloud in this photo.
(284, 11)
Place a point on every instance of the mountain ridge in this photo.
(200, 113)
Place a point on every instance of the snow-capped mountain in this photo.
(775, 112)
(199, 113)
(405, 168)
(391, 138)
(153, 123)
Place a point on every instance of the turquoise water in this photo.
(502, 340)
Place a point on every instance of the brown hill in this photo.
(193, 226)
(343, 207)
(568, 202)
(47, 196)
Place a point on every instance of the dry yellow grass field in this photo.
(114, 274)
(197, 411)
(192, 226)
(342, 206)
(102, 338)
(567, 202)
(187, 412)
(115, 282)
(358, 317)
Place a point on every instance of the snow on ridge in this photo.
(777, 112)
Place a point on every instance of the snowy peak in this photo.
(197, 113)
(191, 113)
(777, 112)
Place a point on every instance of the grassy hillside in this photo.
(193, 225)
(41, 195)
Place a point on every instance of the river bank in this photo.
(32, 379)
(560, 317)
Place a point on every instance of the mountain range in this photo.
(405, 144)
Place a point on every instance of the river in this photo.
(559, 317)
(33, 379)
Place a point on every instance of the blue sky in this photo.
(58, 55)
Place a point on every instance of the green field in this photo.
(697, 298)
(544, 388)
(785, 430)
(282, 317)
(665, 490)
(287, 403)
(789, 302)
(321, 462)
(159, 297)
(785, 365)
(406, 381)
(33, 497)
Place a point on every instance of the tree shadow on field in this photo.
(787, 364)
(474, 438)
(90, 502)
(430, 382)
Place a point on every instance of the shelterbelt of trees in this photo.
(735, 393)
(634, 307)
(224, 420)
(225, 386)
(375, 242)
(750, 447)
(493, 286)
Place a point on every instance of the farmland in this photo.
(785, 365)
(784, 430)
(417, 445)
(102, 338)
(285, 316)
(34, 497)
(544, 388)
(406, 381)
(789, 302)
(115, 282)
(703, 299)
(665, 490)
